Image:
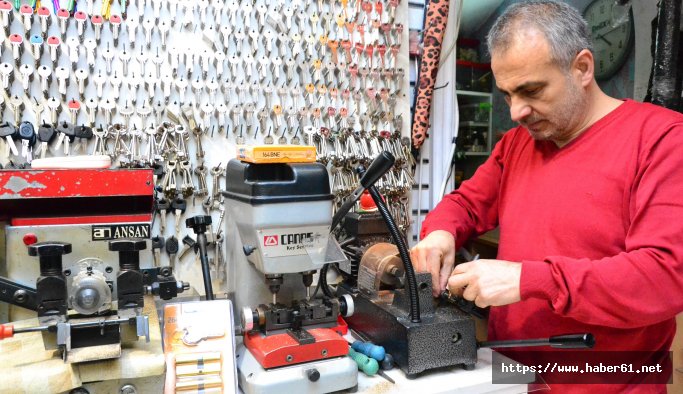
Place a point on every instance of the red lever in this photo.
(6, 331)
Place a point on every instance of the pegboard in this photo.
(156, 80)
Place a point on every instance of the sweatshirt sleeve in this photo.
(642, 285)
(472, 208)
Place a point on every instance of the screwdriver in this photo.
(369, 349)
(368, 365)
(8, 330)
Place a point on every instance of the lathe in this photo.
(88, 293)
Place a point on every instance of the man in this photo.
(587, 192)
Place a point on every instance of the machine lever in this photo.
(569, 341)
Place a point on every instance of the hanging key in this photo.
(74, 107)
(202, 189)
(132, 26)
(16, 104)
(72, 45)
(16, 41)
(178, 206)
(53, 105)
(124, 57)
(83, 134)
(62, 75)
(62, 19)
(6, 74)
(171, 247)
(90, 47)
(5, 16)
(46, 134)
(216, 173)
(8, 131)
(157, 244)
(187, 187)
(163, 206)
(100, 145)
(36, 41)
(26, 71)
(115, 21)
(67, 130)
(44, 18)
(44, 74)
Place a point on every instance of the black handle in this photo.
(569, 341)
(378, 167)
(573, 341)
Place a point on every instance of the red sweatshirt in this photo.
(596, 224)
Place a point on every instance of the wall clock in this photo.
(612, 35)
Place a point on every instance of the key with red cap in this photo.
(62, 19)
(97, 22)
(5, 15)
(44, 17)
(16, 41)
(53, 43)
(26, 12)
(74, 107)
(115, 21)
(81, 19)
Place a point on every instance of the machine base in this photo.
(445, 337)
(333, 375)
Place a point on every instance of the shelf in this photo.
(477, 153)
(472, 93)
(469, 123)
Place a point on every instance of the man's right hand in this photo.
(435, 254)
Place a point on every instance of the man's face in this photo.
(544, 98)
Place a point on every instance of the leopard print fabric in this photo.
(437, 16)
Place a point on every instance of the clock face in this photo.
(612, 34)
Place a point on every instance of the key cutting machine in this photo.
(87, 292)
(394, 306)
(282, 212)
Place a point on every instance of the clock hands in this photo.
(602, 37)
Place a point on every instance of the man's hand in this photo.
(435, 254)
(487, 282)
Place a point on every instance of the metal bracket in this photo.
(16, 294)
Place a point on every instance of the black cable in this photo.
(323, 281)
(403, 252)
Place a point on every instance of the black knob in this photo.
(127, 245)
(198, 223)
(248, 249)
(313, 375)
(129, 252)
(49, 248)
(50, 256)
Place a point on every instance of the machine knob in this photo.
(346, 305)
(49, 248)
(247, 319)
(198, 223)
(127, 245)
(313, 375)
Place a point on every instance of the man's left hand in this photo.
(487, 282)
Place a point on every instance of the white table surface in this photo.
(445, 380)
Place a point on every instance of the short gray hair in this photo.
(562, 25)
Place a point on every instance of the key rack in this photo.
(176, 85)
